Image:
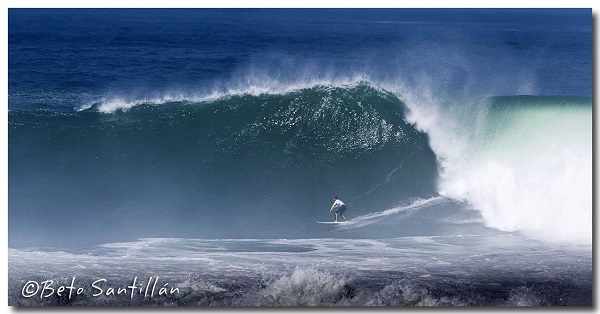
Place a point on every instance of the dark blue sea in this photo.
(194, 150)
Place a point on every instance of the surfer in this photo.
(339, 206)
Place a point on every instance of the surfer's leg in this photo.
(342, 210)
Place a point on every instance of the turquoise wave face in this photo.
(241, 166)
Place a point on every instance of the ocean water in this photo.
(195, 150)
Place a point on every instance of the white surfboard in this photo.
(332, 222)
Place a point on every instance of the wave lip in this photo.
(257, 85)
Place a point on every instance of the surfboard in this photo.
(332, 222)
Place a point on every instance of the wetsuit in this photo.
(341, 208)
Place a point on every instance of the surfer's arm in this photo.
(332, 207)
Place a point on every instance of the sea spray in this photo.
(523, 162)
(305, 287)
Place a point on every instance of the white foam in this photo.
(304, 287)
(530, 172)
(377, 216)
